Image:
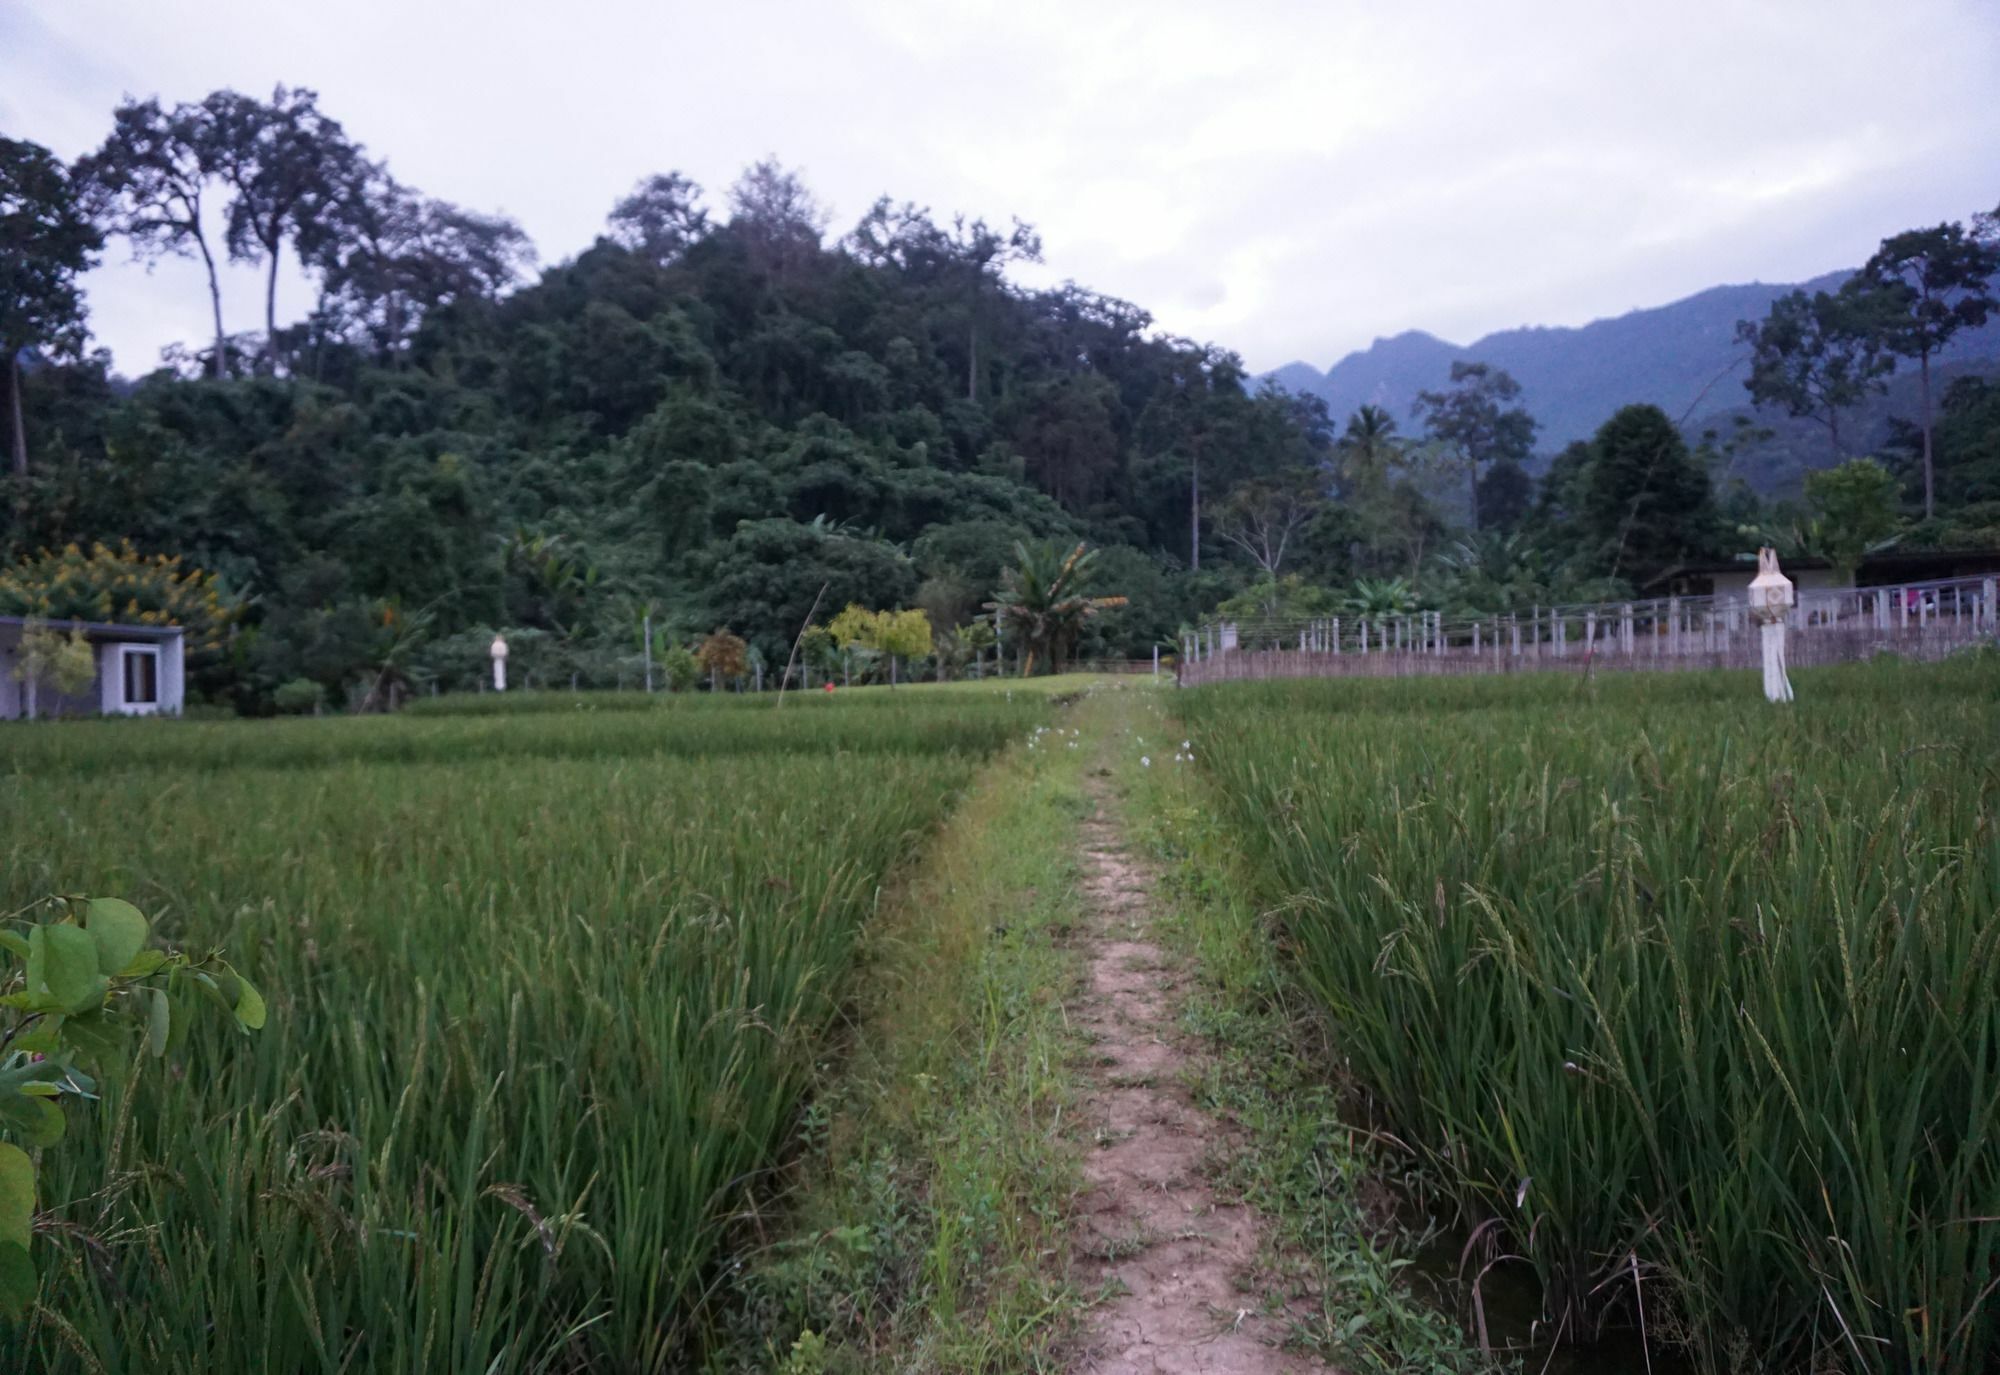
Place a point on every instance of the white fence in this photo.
(1830, 625)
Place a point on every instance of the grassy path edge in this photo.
(928, 1230)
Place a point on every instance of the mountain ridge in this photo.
(1682, 356)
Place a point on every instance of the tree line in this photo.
(719, 414)
(1818, 355)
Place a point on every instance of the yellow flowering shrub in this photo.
(103, 583)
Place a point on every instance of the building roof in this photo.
(103, 630)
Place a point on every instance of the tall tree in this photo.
(969, 257)
(148, 183)
(1854, 509)
(661, 219)
(1818, 355)
(779, 219)
(1644, 499)
(1940, 281)
(1474, 419)
(46, 239)
(288, 167)
(397, 254)
(981, 254)
(1262, 516)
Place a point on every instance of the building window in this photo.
(142, 677)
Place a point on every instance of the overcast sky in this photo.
(1289, 180)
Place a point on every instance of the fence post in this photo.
(1336, 634)
(1986, 590)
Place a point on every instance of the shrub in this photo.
(299, 697)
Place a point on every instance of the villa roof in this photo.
(103, 630)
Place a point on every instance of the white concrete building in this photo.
(141, 671)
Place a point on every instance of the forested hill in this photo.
(703, 421)
(1683, 358)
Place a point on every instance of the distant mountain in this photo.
(1682, 357)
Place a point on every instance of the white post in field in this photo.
(499, 653)
(647, 631)
(1771, 597)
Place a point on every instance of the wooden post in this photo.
(1625, 630)
(1336, 634)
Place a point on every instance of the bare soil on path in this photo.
(1178, 1261)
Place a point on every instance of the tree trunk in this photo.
(972, 361)
(219, 365)
(18, 425)
(1472, 490)
(1194, 524)
(1924, 374)
(271, 308)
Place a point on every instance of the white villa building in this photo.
(141, 671)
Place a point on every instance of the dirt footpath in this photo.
(1177, 1262)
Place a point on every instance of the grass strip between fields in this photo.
(927, 1229)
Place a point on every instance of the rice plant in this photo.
(1691, 1003)
(544, 995)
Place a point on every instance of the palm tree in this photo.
(1044, 602)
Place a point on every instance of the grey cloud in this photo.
(1289, 179)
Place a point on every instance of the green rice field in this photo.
(1687, 1004)
(545, 988)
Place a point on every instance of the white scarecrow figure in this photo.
(499, 653)
(1771, 600)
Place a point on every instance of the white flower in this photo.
(1145, 761)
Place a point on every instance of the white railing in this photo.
(1833, 624)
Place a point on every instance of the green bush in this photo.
(299, 697)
